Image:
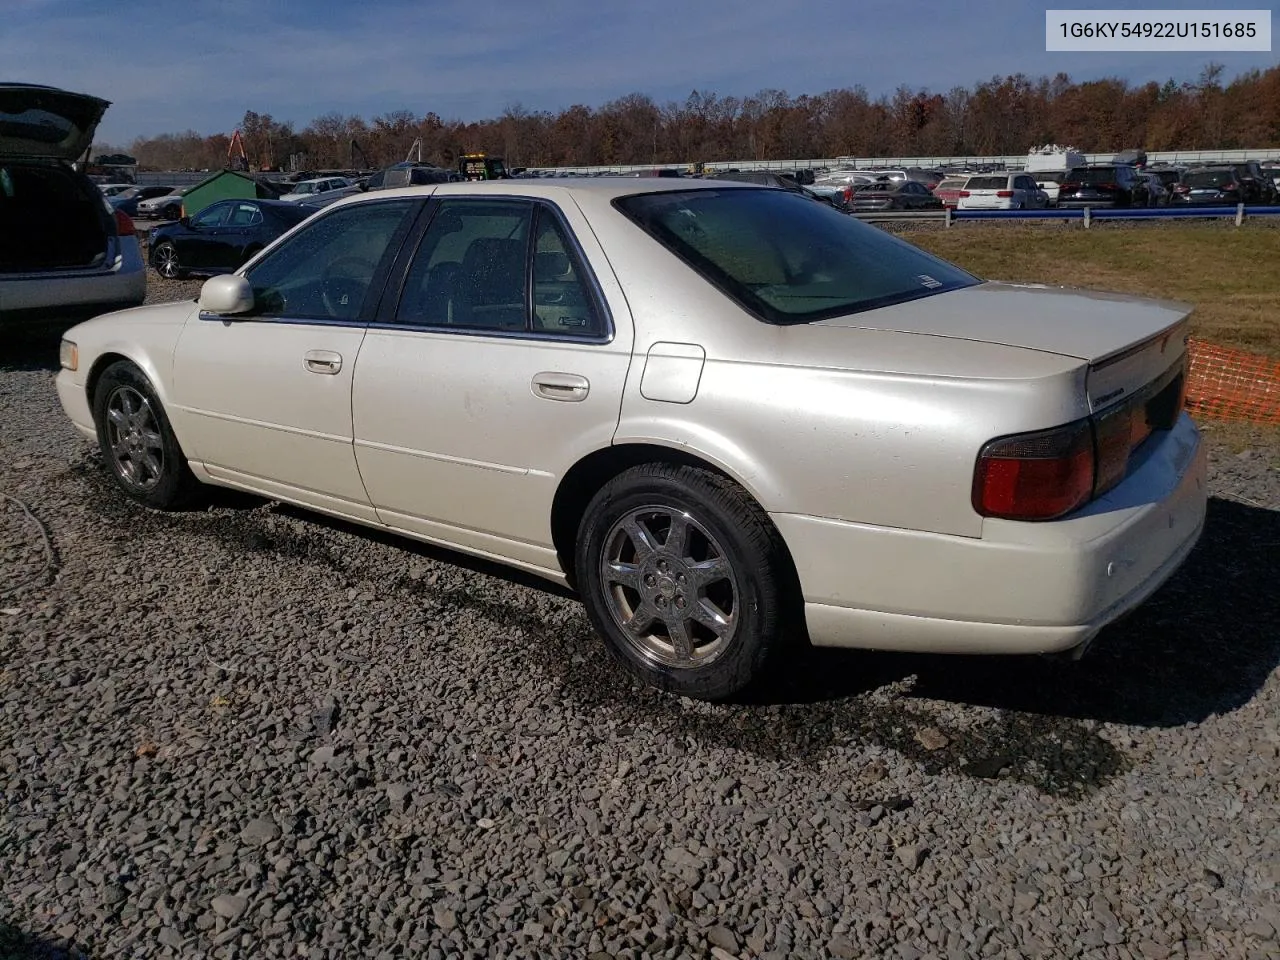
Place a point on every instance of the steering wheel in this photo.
(343, 284)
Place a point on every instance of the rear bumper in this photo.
(1021, 587)
(73, 295)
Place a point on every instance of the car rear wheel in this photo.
(167, 263)
(137, 441)
(684, 576)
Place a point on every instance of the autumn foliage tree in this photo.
(1002, 115)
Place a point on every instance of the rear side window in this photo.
(786, 259)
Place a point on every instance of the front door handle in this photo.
(322, 361)
(560, 386)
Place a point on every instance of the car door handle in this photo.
(322, 361)
(560, 386)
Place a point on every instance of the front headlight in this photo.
(68, 355)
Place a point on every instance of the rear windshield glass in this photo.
(987, 183)
(949, 185)
(1049, 177)
(1209, 178)
(1094, 175)
(785, 258)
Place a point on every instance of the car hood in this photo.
(46, 122)
(1084, 324)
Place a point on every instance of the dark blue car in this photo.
(221, 237)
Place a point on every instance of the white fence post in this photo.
(1239, 214)
(1088, 219)
(948, 209)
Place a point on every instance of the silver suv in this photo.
(64, 251)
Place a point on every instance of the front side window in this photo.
(325, 270)
(785, 259)
(214, 216)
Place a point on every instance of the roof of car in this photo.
(606, 188)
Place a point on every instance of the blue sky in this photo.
(169, 67)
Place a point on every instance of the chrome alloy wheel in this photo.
(133, 434)
(167, 261)
(670, 586)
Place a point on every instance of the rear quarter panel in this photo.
(860, 425)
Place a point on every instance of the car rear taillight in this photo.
(965, 193)
(1068, 187)
(124, 225)
(1181, 188)
(1049, 473)
(1004, 193)
(848, 194)
(1036, 476)
(1108, 186)
(1230, 188)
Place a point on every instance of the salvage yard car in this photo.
(220, 237)
(1001, 191)
(64, 251)
(734, 420)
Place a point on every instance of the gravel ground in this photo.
(251, 732)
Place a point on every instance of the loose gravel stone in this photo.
(236, 730)
(229, 906)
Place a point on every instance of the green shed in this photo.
(226, 185)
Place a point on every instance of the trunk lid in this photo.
(1127, 341)
(47, 123)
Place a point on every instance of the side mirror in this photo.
(226, 295)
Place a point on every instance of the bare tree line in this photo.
(1004, 115)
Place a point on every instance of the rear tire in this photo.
(167, 263)
(685, 578)
(137, 442)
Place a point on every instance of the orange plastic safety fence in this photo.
(1224, 383)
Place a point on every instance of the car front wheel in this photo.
(137, 442)
(686, 579)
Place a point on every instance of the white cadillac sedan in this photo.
(731, 418)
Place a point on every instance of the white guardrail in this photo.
(1086, 216)
(1010, 162)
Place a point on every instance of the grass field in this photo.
(1231, 275)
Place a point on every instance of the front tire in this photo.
(137, 442)
(685, 578)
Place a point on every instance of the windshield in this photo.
(1209, 178)
(785, 259)
(305, 188)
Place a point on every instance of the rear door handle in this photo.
(322, 361)
(560, 386)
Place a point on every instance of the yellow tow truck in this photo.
(479, 166)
